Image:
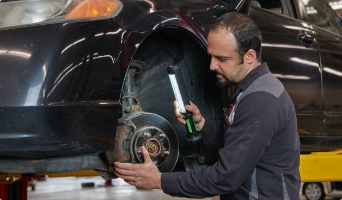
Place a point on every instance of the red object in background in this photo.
(16, 190)
(108, 182)
(23, 188)
(3, 192)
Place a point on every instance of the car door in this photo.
(321, 17)
(291, 52)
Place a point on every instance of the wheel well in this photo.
(152, 88)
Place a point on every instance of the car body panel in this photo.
(297, 66)
(55, 78)
(330, 44)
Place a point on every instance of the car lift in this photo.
(15, 187)
(321, 166)
(314, 167)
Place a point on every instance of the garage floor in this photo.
(69, 188)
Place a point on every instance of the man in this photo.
(259, 151)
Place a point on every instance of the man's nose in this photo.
(213, 65)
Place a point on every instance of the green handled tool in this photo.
(182, 98)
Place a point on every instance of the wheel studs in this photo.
(146, 134)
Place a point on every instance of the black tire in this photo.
(313, 191)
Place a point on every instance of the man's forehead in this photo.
(221, 41)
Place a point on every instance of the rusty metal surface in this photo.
(121, 152)
(153, 147)
(9, 178)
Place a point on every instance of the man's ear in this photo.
(250, 56)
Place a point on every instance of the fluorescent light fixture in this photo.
(177, 93)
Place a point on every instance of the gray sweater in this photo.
(258, 153)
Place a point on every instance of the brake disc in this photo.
(158, 137)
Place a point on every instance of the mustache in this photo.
(219, 73)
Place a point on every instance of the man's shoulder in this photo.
(266, 83)
(265, 88)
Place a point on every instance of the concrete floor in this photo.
(69, 188)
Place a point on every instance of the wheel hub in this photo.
(156, 143)
(157, 135)
(153, 147)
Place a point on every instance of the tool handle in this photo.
(192, 134)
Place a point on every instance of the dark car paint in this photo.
(296, 65)
(64, 100)
(55, 100)
(330, 135)
(331, 56)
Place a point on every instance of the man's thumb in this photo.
(147, 158)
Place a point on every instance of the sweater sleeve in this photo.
(245, 141)
(210, 137)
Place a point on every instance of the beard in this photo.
(226, 83)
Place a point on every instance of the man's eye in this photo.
(222, 59)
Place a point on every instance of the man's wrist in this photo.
(159, 181)
(200, 125)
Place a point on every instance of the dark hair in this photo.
(245, 31)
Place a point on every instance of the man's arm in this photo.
(246, 140)
(211, 138)
(210, 134)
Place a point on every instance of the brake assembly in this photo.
(152, 131)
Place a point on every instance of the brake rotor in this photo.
(158, 137)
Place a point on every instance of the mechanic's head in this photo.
(234, 43)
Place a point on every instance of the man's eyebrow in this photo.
(220, 56)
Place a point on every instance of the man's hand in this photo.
(199, 119)
(145, 175)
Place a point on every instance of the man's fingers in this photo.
(177, 113)
(127, 166)
(130, 182)
(192, 108)
(147, 158)
(129, 178)
(125, 172)
(182, 121)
